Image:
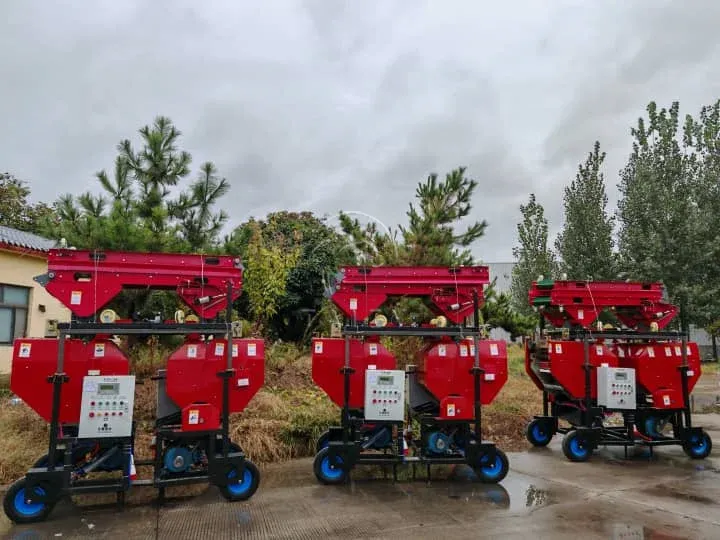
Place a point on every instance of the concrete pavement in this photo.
(544, 496)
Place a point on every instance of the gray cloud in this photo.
(311, 104)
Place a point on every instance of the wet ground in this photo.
(544, 496)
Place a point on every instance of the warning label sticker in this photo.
(318, 347)
(373, 349)
(353, 304)
(75, 298)
(451, 409)
(24, 351)
(193, 417)
(493, 349)
(558, 348)
(192, 351)
(666, 401)
(99, 350)
(252, 349)
(463, 350)
(442, 351)
(219, 349)
(235, 350)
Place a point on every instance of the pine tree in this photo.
(534, 259)
(585, 244)
(430, 238)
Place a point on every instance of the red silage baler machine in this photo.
(629, 366)
(81, 382)
(458, 370)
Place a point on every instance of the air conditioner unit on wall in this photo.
(51, 328)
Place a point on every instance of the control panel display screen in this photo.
(106, 389)
(620, 376)
(385, 379)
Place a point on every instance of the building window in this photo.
(14, 303)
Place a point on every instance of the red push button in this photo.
(92, 414)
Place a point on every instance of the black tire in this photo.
(322, 441)
(576, 447)
(245, 489)
(326, 472)
(538, 434)
(698, 446)
(18, 511)
(492, 471)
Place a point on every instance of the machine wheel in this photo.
(652, 426)
(492, 471)
(575, 447)
(698, 446)
(18, 511)
(537, 433)
(244, 489)
(326, 471)
(322, 441)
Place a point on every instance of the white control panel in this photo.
(385, 395)
(107, 406)
(616, 387)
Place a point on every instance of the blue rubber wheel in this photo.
(576, 447)
(327, 470)
(18, 510)
(538, 434)
(246, 487)
(698, 446)
(492, 469)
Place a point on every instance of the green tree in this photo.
(322, 250)
(703, 135)
(199, 226)
(533, 257)
(266, 273)
(585, 245)
(136, 210)
(498, 312)
(17, 211)
(661, 229)
(156, 167)
(430, 238)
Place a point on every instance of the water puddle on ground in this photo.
(453, 488)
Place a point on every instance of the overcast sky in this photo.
(326, 105)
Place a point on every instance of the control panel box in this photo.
(385, 394)
(106, 409)
(616, 387)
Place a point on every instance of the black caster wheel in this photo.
(492, 470)
(19, 511)
(576, 447)
(246, 487)
(328, 471)
(538, 434)
(698, 446)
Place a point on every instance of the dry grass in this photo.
(505, 419)
(282, 422)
